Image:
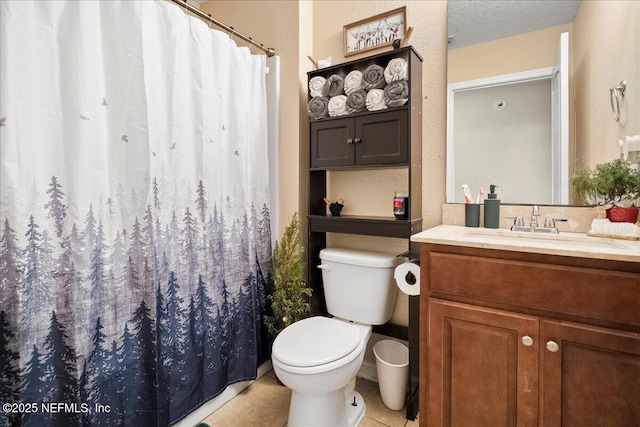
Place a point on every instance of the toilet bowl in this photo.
(318, 358)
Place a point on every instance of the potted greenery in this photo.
(290, 297)
(615, 183)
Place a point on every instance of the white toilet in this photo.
(318, 358)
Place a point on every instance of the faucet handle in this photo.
(551, 222)
(517, 220)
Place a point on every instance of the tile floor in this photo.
(266, 403)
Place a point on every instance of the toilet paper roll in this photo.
(407, 276)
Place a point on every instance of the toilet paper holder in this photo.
(410, 278)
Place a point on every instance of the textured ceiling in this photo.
(478, 21)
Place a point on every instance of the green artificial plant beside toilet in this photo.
(290, 298)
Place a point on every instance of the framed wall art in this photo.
(375, 32)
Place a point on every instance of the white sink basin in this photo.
(564, 244)
(567, 241)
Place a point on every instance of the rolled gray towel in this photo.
(334, 86)
(318, 107)
(396, 94)
(356, 101)
(373, 77)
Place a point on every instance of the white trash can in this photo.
(392, 365)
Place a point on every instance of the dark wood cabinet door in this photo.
(382, 139)
(332, 143)
(483, 367)
(590, 376)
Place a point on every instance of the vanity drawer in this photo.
(609, 297)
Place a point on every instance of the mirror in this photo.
(498, 49)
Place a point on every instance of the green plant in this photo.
(615, 182)
(289, 300)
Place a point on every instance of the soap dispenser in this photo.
(492, 209)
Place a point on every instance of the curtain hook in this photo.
(209, 21)
(250, 42)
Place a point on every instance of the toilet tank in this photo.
(359, 285)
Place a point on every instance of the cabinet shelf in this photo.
(360, 113)
(365, 225)
(361, 167)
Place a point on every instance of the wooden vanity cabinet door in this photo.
(480, 371)
(593, 379)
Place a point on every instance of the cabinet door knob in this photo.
(357, 141)
(350, 141)
(527, 340)
(553, 346)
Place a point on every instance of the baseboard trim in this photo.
(368, 371)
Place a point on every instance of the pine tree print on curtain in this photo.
(135, 242)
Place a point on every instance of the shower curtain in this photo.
(135, 236)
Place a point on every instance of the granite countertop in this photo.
(566, 244)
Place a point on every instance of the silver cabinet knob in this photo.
(527, 340)
(357, 141)
(350, 141)
(553, 346)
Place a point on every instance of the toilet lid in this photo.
(315, 341)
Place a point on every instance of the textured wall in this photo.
(528, 51)
(606, 50)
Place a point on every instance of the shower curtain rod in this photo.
(183, 3)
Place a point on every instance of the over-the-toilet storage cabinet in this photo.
(391, 138)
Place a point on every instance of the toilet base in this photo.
(330, 409)
(355, 413)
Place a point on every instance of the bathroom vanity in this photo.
(527, 330)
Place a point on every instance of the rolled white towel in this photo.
(353, 82)
(621, 229)
(397, 69)
(338, 106)
(316, 86)
(375, 100)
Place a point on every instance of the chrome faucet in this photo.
(535, 213)
(534, 226)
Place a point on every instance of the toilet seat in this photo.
(316, 341)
